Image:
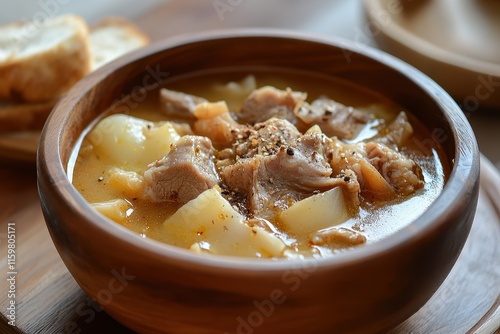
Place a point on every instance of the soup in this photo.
(272, 165)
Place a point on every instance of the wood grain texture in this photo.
(387, 281)
(419, 35)
(50, 301)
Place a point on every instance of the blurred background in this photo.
(468, 30)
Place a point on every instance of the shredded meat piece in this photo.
(222, 129)
(267, 102)
(401, 172)
(334, 119)
(183, 174)
(177, 104)
(278, 150)
(350, 187)
(293, 173)
(265, 138)
(397, 133)
(382, 172)
(340, 237)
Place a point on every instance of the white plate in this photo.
(455, 42)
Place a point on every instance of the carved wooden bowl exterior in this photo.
(156, 288)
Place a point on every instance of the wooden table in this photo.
(48, 300)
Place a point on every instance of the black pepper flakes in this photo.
(347, 179)
(290, 151)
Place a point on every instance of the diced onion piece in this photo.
(211, 222)
(314, 129)
(206, 110)
(132, 143)
(116, 210)
(316, 212)
(374, 182)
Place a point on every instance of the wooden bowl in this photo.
(156, 288)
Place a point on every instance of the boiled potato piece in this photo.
(158, 141)
(131, 143)
(116, 210)
(315, 212)
(210, 223)
(236, 92)
(127, 182)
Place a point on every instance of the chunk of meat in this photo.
(353, 157)
(177, 104)
(265, 138)
(339, 237)
(275, 182)
(397, 133)
(318, 146)
(334, 118)
(399, 171)
(350, 187)
(183, 174)
(221, 129)
(267, 102)
(382, 172)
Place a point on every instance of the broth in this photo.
(374, 220)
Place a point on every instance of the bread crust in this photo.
(114, 37)
(31, 86)
(47, 74)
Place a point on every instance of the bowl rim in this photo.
(464, 172)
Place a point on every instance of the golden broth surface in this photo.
(375, 221)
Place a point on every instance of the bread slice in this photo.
(39, 62)
(114, 37)
(108, 40)
(24, 116)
